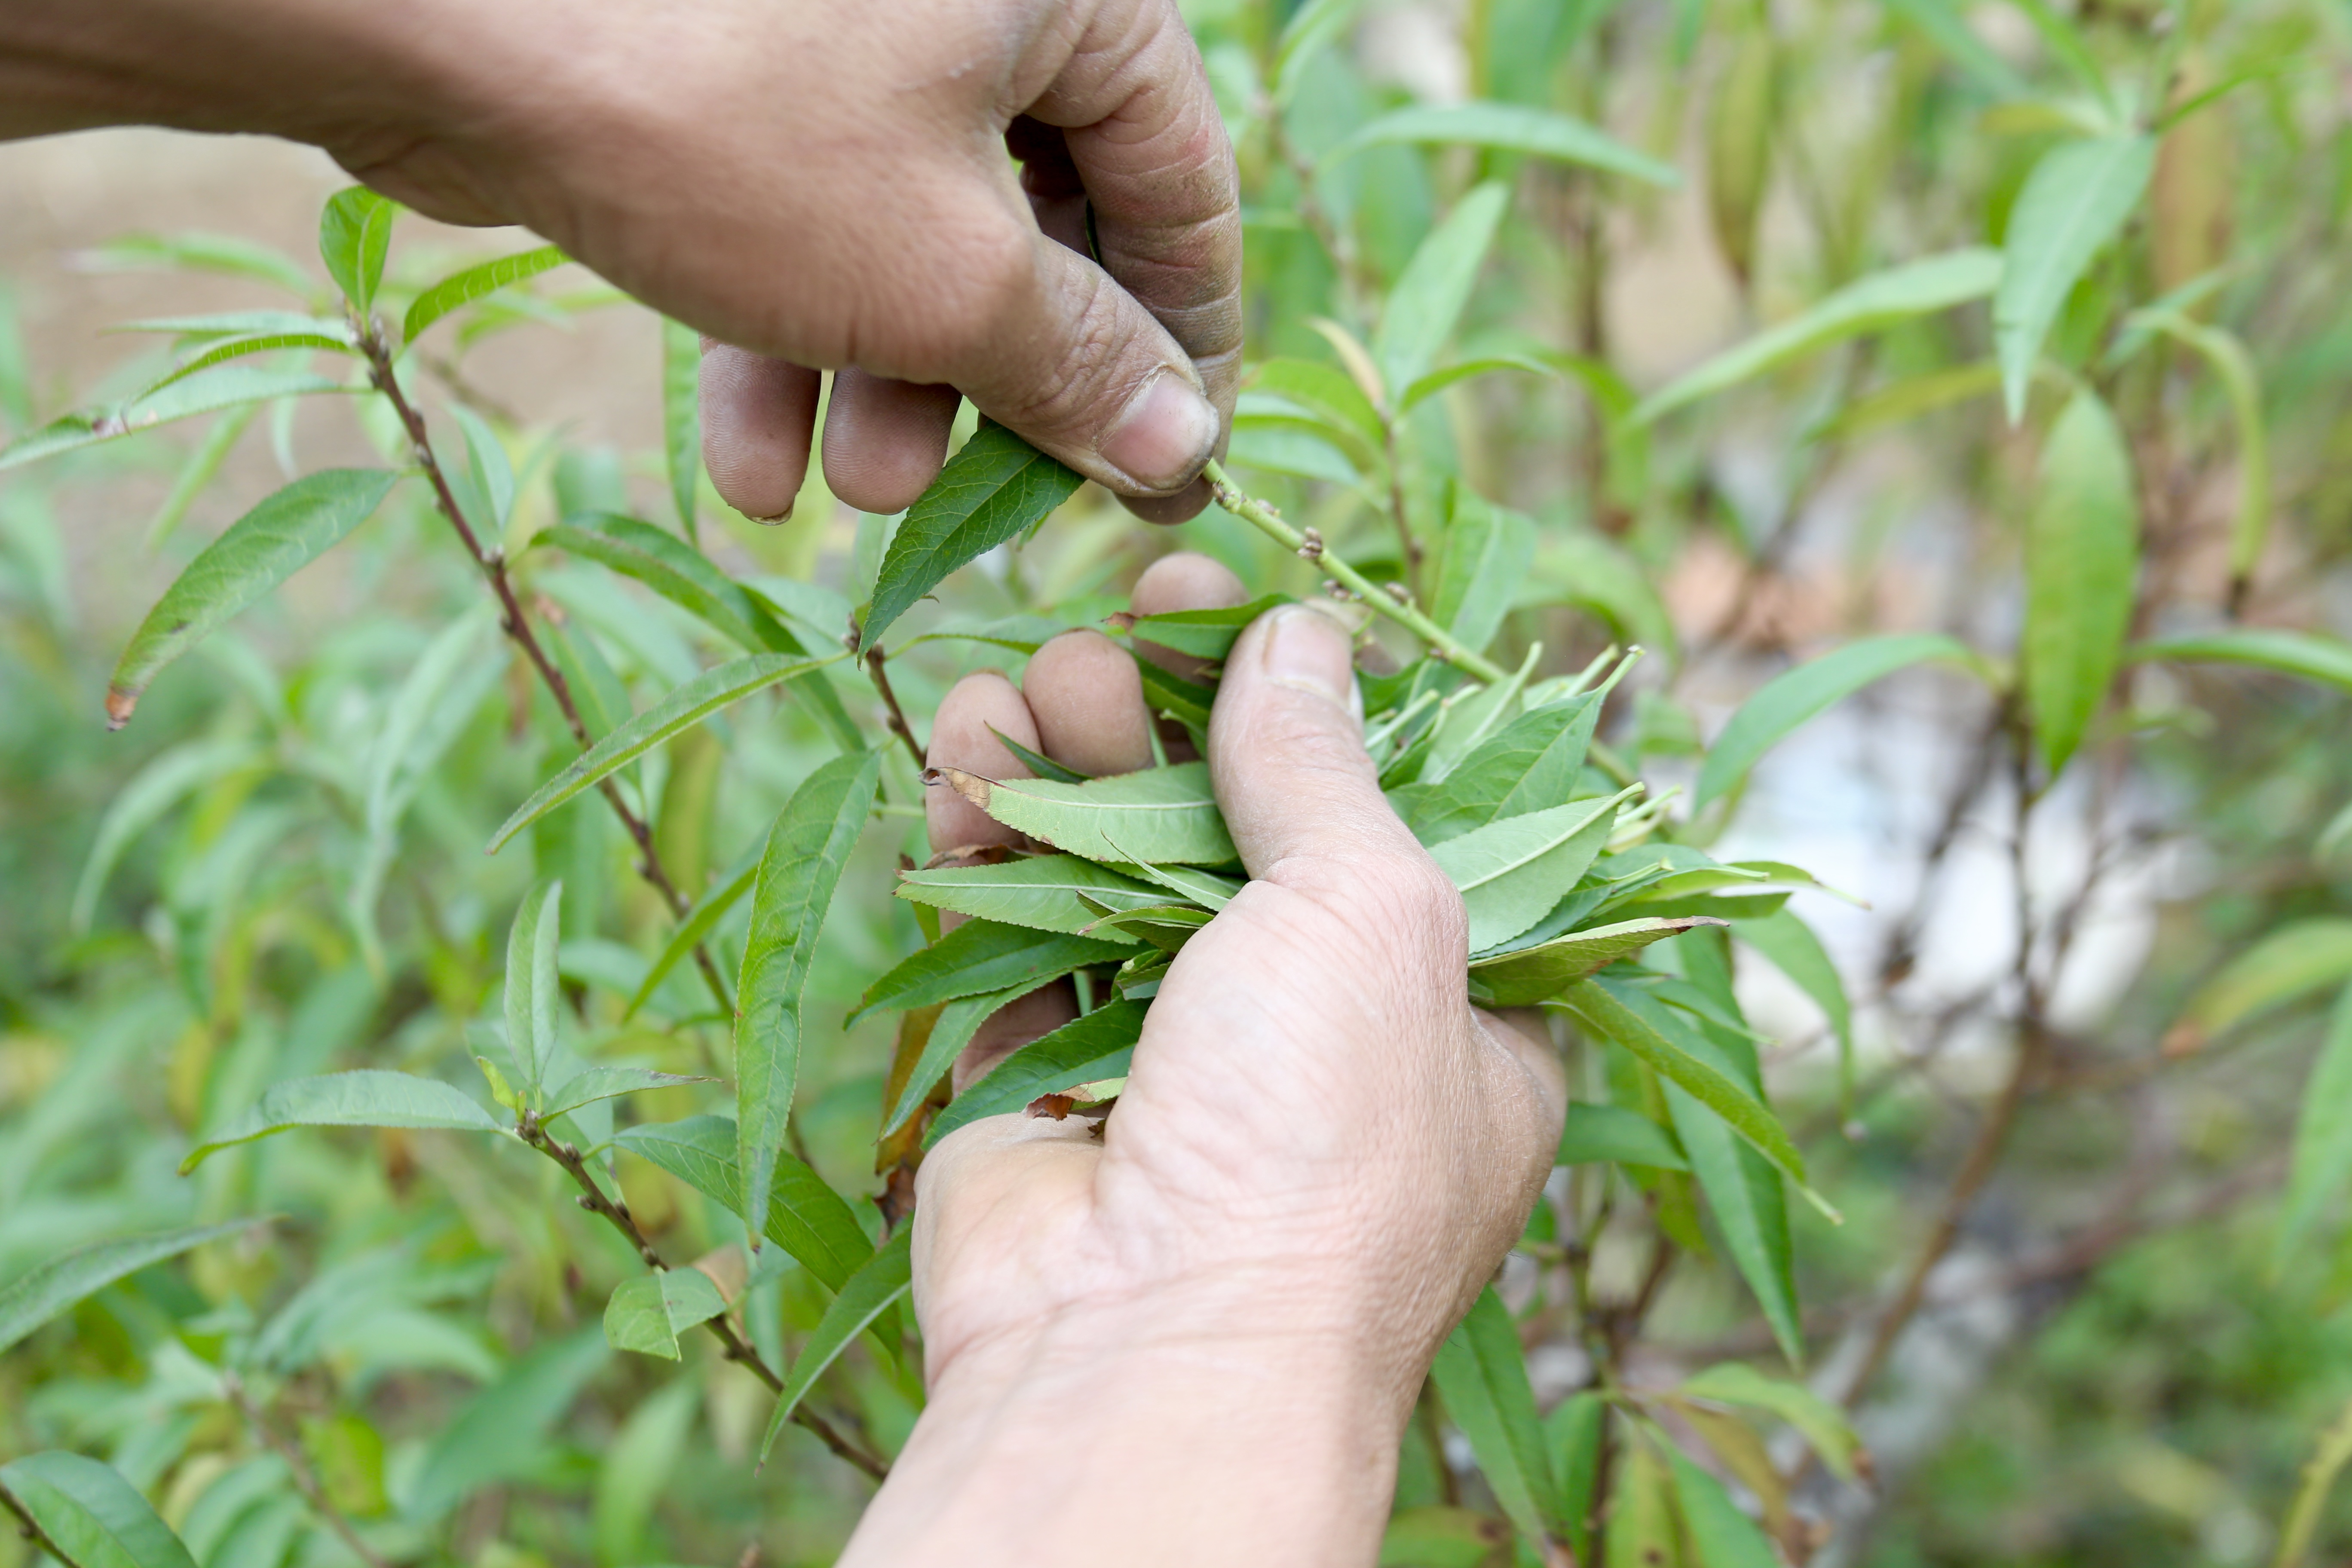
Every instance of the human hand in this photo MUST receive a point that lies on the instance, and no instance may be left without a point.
(1210, 1324)
(827, 186)
(821, 183)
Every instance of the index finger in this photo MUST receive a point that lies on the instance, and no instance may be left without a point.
(1143, 130)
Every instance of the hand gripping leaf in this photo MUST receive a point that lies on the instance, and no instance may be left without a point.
(811, 838)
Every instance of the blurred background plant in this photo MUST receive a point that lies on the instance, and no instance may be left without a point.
(1945, 398)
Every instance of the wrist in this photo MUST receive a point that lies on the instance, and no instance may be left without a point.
(1208, 1423)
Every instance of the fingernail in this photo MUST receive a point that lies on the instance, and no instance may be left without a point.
(781, 519)
(1166, 433)
(1310, 652)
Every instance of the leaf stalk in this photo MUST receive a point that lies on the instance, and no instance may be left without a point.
(1269, 521)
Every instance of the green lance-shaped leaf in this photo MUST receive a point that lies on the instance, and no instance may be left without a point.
(197, 471)
(996, 487)
(951, 1031)
(1513, 871)
(1531, 763)
(2322, 1140)
(97, 1518)
(2242, 382)
(1791, 698)
(1819, 1423)
(690, 580)
(1643, 1528)
(1488, 550)
(1790, 946)
(1572, 1436)
(982, 956)
(1533, 975)
(807, 849)
(2081, 557)
(648, 1313)
(809, 1220)
(241, 324)
(682, 422)
(354, 235)
(171, 777)
(680, 710)
(1720, 1536)
(2306, 655)
(865, 1295)
(1330, 396)
(1047, 892)
(1601, 1012)
(1202, 634)
(222, 387)
(462, 289)
(1593, 1134)
(2074, 202)
(258, 552)
(698, 924)
(1898, 294)
(1908, 397)
(593, 1084)
(1508, 128)
(677, 572)
(499, 1433)
(1741, 1187)
(1038, 764)
(55, 1286)
(367, 1098)
(1192, 884)
(260, 343)
(1482, 1375)
(1087, 1050)
(1161, 815)
(2287, 964)
(1436, 286)
(531, 994)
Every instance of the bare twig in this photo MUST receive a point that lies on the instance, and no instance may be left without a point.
(876, 660)
(592, 1199)
(298, 1465)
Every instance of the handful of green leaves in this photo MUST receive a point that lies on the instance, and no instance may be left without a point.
(1559, 860)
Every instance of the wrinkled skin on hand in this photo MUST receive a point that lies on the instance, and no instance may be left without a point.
(1322, 1147)
(828, 186)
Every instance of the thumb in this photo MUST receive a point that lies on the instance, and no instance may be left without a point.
(1075, 365)
(1286, 754)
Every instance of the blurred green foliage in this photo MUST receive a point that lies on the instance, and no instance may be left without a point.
(1970, 373)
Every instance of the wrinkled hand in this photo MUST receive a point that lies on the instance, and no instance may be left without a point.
(827, 186)
(824, 183)
(1321, 1154)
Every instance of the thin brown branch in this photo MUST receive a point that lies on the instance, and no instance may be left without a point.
(592, 1199)
(876, 662)
(298, 1465)
(516, 623)
(1992, 1136)
(30, 1529)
